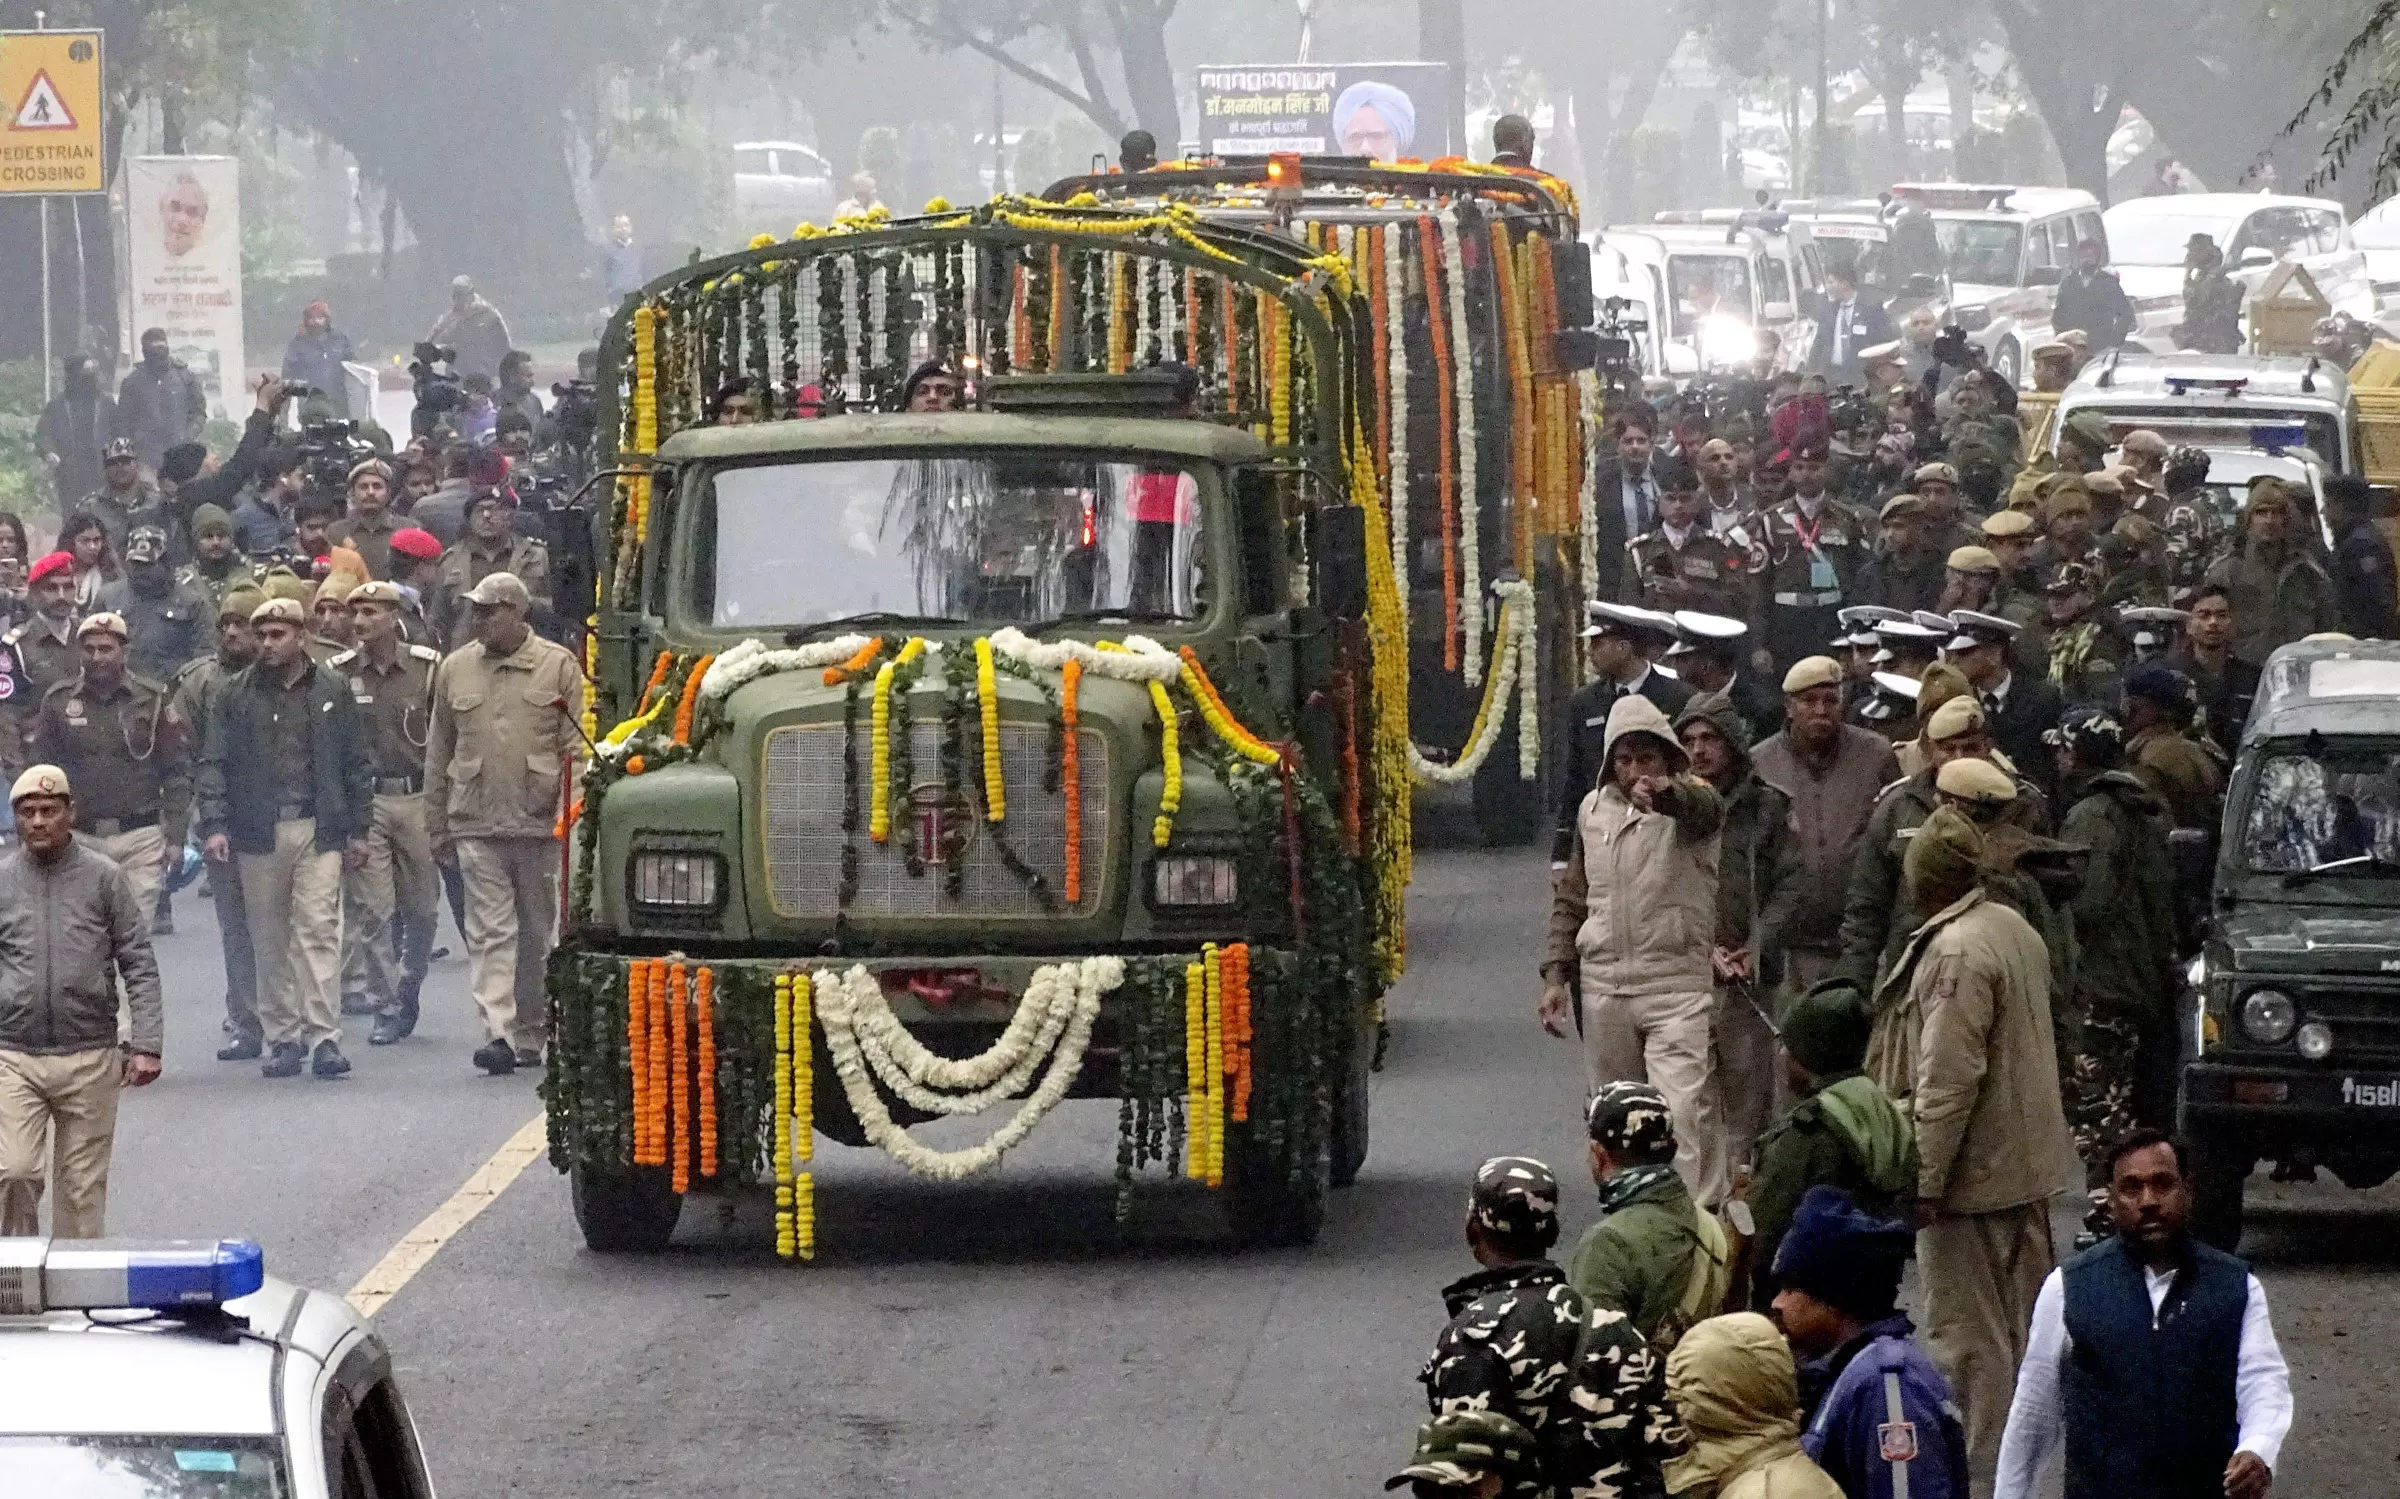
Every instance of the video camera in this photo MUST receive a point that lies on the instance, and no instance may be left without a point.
(575, 424)
(1952, 347)
(327, 452)
(437, 385)
(1620, 326)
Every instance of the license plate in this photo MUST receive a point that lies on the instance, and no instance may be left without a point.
(2371, 1092)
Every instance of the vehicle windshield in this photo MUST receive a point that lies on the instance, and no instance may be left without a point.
(138, 1467)
(1019, 539)
(1982, 252)
(2308, 810)
(2226, 429)
(2159, 239)
(1706, 286)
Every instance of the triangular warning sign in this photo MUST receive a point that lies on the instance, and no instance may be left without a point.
(42, 108)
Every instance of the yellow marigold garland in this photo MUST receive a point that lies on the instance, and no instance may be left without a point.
(1070, 771)
(1195, 1070)
(1213, 994)
(783, 1115)
(804, 1114)
(1170, 750)
(1219, 718)
(879, 758)
(987, 693)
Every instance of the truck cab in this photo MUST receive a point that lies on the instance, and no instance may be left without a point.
(2292, 1019)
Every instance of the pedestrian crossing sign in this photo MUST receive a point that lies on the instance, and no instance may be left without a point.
(51, 89)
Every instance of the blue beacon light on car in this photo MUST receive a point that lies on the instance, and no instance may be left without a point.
(39, 1275)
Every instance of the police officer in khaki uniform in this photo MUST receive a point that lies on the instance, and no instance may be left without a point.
(369, 527)
(499, 768)
(489, 546)
(41, 651)
(329, 629)
(392, 683)
(127, 751)
(196, 689)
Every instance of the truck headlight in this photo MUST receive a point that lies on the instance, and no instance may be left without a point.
(2268, 1016)
(1194, 880)
(679, 881)
(2315, 1041)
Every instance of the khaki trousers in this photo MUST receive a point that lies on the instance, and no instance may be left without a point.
(58, 1115)
(1663, 1040)
(233, 936)
(139, 853)
(398, 878)
(293, 897)
(512, 919)
(1749, 1073)
(1982, 1272)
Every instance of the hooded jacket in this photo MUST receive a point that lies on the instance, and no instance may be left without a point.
(2125, 913)
(1847, 1134)
(1758, 858)
(1635, 908)
(1732, 1381)
(2275, 600)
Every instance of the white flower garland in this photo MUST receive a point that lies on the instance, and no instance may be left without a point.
(941, 1085)
(1141, 660)
(742, 664)
(1071, 989)
(1462, 363)
(1586, 406)
(1396, 322)
(1529, 691)
(1513, 662)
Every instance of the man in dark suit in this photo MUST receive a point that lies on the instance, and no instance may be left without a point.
(2092, 299)
(2018, 710)
(1846, 324)
(1622, 641)
(1625, 491)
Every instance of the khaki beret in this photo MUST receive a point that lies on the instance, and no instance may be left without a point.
(1973, 560)
(1812, 671)
(2006, 524)
(1936, 473)
(336, 589)
(1902, 504)
(285, 609)
(1953, 718)
(106, 622)
(240, 603)
(1976, 780)
(377, 592)
(39, 780)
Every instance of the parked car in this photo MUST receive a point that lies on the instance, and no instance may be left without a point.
(2007, 249)
(1716, 282)
(2377, 235)
(777, 184)
(2147, 236)
(2223, 401)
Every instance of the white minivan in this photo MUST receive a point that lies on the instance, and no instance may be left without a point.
(2146, 239)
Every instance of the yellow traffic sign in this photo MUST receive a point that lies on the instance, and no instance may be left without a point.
(50, 101)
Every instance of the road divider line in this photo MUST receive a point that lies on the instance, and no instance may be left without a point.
(419, 1245)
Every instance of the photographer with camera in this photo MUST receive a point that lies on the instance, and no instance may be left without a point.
(184, 488)
(262, 522)
(437, 388)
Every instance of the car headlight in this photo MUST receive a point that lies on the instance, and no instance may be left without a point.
(1194, 880)
(1973, 319)
(2268, 1016)
(2315, 1040)
(1726, 340)
(678, 880)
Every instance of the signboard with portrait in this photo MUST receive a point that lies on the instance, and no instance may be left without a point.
(1383, 110)
(183, 218)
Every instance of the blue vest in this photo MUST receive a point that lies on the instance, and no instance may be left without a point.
(2150, 1407)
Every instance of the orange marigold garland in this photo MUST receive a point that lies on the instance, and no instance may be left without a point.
(637, 1046)
(1071, 776)
(658, 674)
(680, 1059)
(1437, 323)
(704, 1021)
(691, 697)
(835, 676)
(1058, 305)
(657, 1056)
(1235, 961)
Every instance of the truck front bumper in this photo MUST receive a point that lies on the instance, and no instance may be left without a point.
(2297, 1103)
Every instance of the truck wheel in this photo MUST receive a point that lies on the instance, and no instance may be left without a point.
(1350, 1109)
(624, 1212)
(1508, 808)
(1268, 1210)
(2220, 1166)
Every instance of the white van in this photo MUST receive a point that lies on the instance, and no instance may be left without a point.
(2007, 249)
(1716, 283)
(2146, 239)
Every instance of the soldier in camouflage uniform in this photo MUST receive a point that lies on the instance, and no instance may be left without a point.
(1684, 564)
(2086, 655)
(2125, 946)
(1523, 1344)
(2193, 533)
(1656, 1255)
(1462, 1452)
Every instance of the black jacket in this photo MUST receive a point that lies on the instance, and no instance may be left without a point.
(2033, 708)
(237, 794)
(2097, 304)
(1584, 731)
(1868, 325)
(220, 488)
(2362, 583)
(1608, 515)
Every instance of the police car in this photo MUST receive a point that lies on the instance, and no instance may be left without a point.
(179, 1371)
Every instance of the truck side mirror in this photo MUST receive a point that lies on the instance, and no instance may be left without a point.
(1337, 559)
(1571, 277)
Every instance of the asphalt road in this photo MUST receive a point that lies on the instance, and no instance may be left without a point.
(996, 1336)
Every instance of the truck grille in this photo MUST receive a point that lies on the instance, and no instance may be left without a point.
(803, 822)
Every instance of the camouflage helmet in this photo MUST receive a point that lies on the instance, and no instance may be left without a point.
(1632, 1119)
(1459, 1449)
(2094, 734)
(1516, 1196)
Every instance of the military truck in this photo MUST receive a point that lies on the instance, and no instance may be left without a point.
(1479, 300)
(973, 759)
(2293, 1027)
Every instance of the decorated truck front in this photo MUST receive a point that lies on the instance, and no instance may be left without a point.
(1478, 297)
(969, 761)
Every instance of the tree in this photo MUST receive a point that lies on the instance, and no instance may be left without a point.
(1017, 35)
(1609, 56)
(2364, 79)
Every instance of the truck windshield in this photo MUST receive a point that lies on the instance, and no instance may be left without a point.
(2309, 810)
(998, 538)
(1981, 252)
(139, 1467)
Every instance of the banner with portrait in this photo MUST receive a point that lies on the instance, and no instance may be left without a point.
(183, 223)
(1386, 111)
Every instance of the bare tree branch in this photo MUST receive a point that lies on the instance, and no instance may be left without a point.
(1093, 103)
